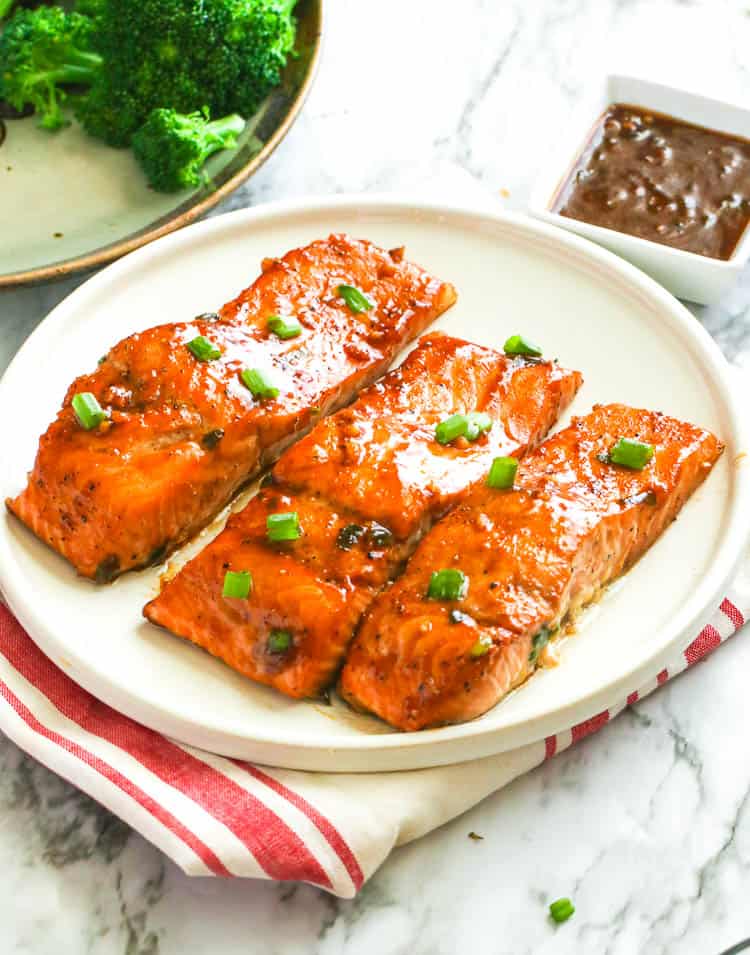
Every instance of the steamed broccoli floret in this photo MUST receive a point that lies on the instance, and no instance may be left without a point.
(172, 147)
(5, 7)
(91, 8)
(257, 38)
(182, 55)
(41, 51)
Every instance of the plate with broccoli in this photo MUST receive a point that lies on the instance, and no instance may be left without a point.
(122, 120)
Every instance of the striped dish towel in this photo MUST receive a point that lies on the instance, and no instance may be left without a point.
(218, 816)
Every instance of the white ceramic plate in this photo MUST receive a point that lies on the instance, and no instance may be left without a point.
(630, 338)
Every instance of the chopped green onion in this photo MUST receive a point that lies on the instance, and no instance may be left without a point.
(538, 642)
(561, 910)
(630, 453)
(203, 349)
(259, 383)
(451, 428)
(502, 472)
(468, 426)
(279, 641)
(237, 583)
(87, 410)
(518, 345)
(448, 584)
(356, 300)
(482, 646)
(349, 536)
(477, 422)
(283, 527)
(284, 328)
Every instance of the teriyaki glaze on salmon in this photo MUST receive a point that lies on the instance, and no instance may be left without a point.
(279, 593)
(149, 447)
(487, 587)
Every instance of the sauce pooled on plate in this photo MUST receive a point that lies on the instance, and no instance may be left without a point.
(663, 179)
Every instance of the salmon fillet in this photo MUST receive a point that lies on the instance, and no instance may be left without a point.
(184, 434)
(532, 555)
(364, 484)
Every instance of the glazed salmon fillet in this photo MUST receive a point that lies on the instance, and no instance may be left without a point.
(363, 486)
(531, 556)
(183, 431)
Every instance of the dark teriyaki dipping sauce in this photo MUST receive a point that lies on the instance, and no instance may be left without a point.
(662, 179)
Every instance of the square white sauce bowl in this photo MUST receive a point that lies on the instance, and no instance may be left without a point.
(688, 275)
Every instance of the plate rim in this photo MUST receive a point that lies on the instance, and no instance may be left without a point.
(415, 750)
(107, 254)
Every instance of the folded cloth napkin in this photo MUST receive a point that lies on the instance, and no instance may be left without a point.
(218, 816)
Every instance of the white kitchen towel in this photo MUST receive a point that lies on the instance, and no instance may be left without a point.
(218, 816)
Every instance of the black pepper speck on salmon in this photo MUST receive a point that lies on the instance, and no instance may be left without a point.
(183, 434)
(530, 555)
(365, 484)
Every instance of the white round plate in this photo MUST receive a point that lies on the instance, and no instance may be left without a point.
(633, 342)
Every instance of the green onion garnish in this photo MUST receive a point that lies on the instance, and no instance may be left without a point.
(561, 910)
(518, 345)
(482, 646)
(356, 300)
(451, 428)
(630, 453)
(203, 349)
(502, 472)
(259, 383)
(477, 422)
(284, 328)
(449, 584)
(87, 410)
(538, 642)
(279, 641)
(468, 426)
(283, 527)
(237, 583)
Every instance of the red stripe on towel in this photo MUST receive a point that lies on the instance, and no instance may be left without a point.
(707, 640)
(590, 726)
(123, 783)
(278, 849)
(734, 613)
(331, 834)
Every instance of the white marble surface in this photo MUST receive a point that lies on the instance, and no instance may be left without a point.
(647, 825)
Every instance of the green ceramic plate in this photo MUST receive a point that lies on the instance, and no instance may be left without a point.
(69, 203)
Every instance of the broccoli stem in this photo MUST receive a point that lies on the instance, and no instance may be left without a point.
(221, 134)
(70, 73)
(80, 67)
(226, 128)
